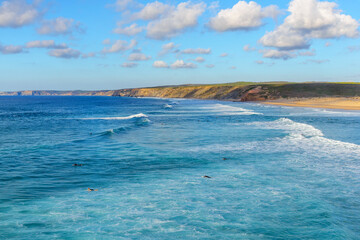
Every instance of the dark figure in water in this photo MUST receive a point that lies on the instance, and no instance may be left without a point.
(224, 159)
(91, 190)
(206, 176)
(77, 165)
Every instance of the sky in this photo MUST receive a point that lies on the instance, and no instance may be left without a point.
(114, 44)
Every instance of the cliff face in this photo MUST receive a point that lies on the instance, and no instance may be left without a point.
(58, 93)
(232, 92)
(255, 92)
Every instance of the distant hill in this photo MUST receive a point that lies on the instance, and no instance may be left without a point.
(239, 91)
(244, 91)
(58, 93)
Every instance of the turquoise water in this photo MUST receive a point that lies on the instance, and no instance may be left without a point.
(288, 173)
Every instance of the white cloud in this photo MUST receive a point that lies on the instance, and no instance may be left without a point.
(88, 55)
(10, 49)
(152, 11)
(17, 13)
(174, 21)
(248, 48)
(224, 55)
(59, 26)
(106, 41)
(121, 5)
(119, 46)
(316, 61)
(214, 5)
(277, 54)
(307, 53)
(65, 53)
(354, 48)
(168, 46)
(284, 37)
(176, 65)
(310, 19)
(160, 64)
(260, 62)
(45, 44)
(233, 67)
(131, 30)
(242, 16)
(197, 51)
(138, 57)
(328, 44)
(129, 65)
(181, 64)
(200, 59)
(210, 65)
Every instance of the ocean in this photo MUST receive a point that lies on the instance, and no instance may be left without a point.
(275, 172)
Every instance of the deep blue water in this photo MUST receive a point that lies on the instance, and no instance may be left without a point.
(288, 173)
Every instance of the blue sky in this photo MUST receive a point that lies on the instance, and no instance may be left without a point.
(113, 44)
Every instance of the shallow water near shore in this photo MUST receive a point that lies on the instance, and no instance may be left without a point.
(276, 172)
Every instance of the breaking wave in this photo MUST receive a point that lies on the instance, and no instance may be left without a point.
(222, 109)
(302, 138)
(290, 127)
(139, 115)
(167, 106)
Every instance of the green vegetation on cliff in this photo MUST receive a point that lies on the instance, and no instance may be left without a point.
(244, 91)
(239, 91)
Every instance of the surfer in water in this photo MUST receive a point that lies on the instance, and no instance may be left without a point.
(92, 190)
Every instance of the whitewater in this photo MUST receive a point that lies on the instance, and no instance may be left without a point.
(276, 172)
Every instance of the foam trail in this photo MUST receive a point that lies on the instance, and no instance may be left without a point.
(302, 138)
(139, 115)
(230, 110)
(167, 106)
(290, 127)
(327, 112)
(113, 131)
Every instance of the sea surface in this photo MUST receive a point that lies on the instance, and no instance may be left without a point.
(276, 172)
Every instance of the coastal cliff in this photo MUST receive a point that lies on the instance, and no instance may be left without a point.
(58, 93)
(247, 92)
(240, 91)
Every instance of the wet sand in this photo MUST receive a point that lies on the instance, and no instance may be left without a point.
(329, 103)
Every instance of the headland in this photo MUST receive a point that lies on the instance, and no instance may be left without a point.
(312, 94)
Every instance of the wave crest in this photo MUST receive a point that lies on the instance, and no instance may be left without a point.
(139, 115)
(290, 127)
(302, 138)
(222, 109)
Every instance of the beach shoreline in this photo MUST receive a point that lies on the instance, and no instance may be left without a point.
(352, 103)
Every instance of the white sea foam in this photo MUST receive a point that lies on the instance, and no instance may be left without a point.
(167, 106)
(222, 109)
(328, 113)
(290, 127)
(302, 138)
(139, 115)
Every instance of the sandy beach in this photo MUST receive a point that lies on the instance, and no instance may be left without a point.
(330, 103)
